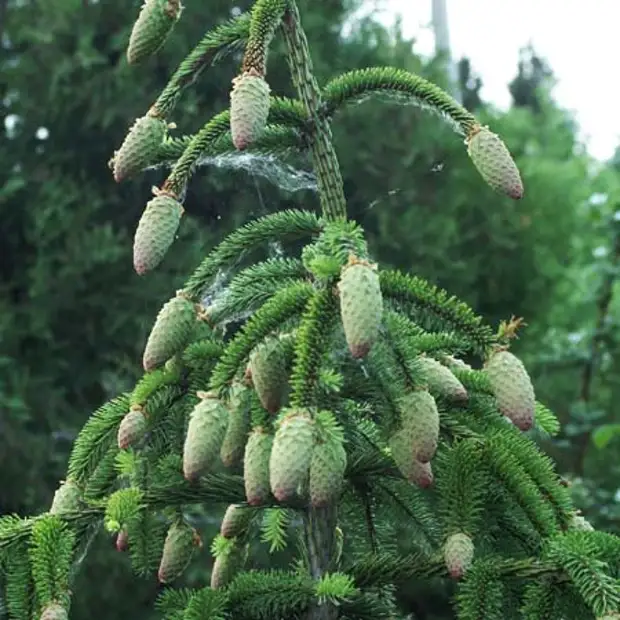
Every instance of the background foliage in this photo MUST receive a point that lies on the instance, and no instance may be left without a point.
(73, 314)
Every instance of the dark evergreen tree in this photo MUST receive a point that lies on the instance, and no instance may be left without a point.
(319, 396)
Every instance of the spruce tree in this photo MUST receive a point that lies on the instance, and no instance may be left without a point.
(337, 407)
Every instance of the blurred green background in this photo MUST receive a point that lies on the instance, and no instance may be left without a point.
(74, 316)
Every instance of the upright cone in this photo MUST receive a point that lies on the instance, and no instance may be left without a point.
(152, 28)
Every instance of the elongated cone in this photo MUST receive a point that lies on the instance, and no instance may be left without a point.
(455, 363)
(420, 419)
(233, 445)
(155, 233)
(494, 162)
(205, 433)
(414, 472)
(441, 382)
(140, 147)
(66, 499)
(226, 566)
(512, 388)
(291, 454)
(249, 108)
(327, 467)
(179, 546)
(132, 428)
(458, 553)
(54, 611)
(152, 28)
(361, 306)
(256, 466)
(235, 521)
(173, 328)
(268, 370)
(122, 541)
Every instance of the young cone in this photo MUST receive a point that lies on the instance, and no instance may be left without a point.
(512, 388)
(291, 454)
(455, 363)
(66, 498)
(205, 433)
(236, 435)
(54, 611)
(413, 471)
(256, 466)
(132, 428)
(249, 108)
(155, 233)
(173, 328)
(420, 419)
(139, 148)
(494, 162)
(361, 305)
(226, 566)
(268, 370)
(235, 521)
(458, 553)
(122, 541)
(152, 28)
(179, 546)
(441, 382)
(327, 467)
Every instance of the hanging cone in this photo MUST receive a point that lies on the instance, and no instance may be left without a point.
(122, 541)
(458, 553)
(361, 306)
(291, 454)
(256, 466)
(227, 565)
(512, 388)
(268, 371)
(236, 521)
(156, 231)
(132, 428)
(412, 470)
(327, 467)
(420, 419)
(238, 429)
(152, 28)
(179, 546)
(249, 108)
(140, 147)
(441, 382)
(494, 162)
(173, 328)
(205, 433)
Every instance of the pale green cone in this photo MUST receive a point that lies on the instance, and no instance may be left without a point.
(132, 429)
(54, 611)
(140, 147)
(327, 467)
(579, 523)
(420, 474)
(238, 429)
(66, 498)
(291, 455)
(155, 233)
(494, 163)
(236, 521)
(361, 306)
(420, 419)
(268, 372)
(512, 388)
(249, 108)
(179, 547)
(172, 329)
(256, 466)
(458, 553)
(205, 433)
(440, 380)
(154, 23)
(227, 565)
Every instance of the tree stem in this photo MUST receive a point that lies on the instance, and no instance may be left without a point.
(324, 158)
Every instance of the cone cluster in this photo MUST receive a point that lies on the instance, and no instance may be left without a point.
(361, 305)
(249, 108)
(156, 231)
(154, 23)
(512, 388)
